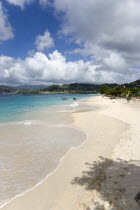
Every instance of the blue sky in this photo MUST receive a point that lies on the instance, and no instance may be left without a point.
(45, 42)
(27, 24)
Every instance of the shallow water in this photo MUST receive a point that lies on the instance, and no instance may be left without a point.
(29, 152)
(19, 107)
(31, 148)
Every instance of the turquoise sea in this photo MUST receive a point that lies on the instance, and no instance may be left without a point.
(17, 107)
(36, 131)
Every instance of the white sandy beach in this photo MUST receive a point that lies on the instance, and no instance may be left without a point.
(108, 183)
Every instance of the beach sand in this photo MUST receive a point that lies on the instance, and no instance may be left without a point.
(100, 174)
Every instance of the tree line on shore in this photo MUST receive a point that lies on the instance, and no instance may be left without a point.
(114, 89)
(120, 91)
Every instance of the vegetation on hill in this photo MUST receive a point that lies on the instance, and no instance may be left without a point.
(30, 87)
(78, 88)
(121, 91)
(74, 88)
(7, 89)
(135, 84)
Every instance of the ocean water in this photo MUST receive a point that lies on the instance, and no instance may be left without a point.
(17, 107)
(35, 133)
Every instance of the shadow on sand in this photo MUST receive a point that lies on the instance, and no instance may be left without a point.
(116, 182)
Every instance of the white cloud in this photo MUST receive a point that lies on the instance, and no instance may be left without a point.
(20, 3)
(6, 31)
(44, 41)
(106, 30)
(44, 3)
(42, 69)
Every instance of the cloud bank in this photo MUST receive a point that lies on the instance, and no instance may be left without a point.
(108, 31)
(42, 69)
(105, 31)
(6, 31)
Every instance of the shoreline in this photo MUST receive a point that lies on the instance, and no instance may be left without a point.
(48, 175)
(67, 196)
(69, 125)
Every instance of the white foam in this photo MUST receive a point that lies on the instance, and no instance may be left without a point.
(27, 122)
(65, 111)
(59, 125)
(74, 104)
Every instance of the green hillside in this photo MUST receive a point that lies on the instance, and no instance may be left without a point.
(76, 88)
(135, 84)
(7, 89)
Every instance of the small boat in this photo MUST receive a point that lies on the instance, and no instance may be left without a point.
(64, 98)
